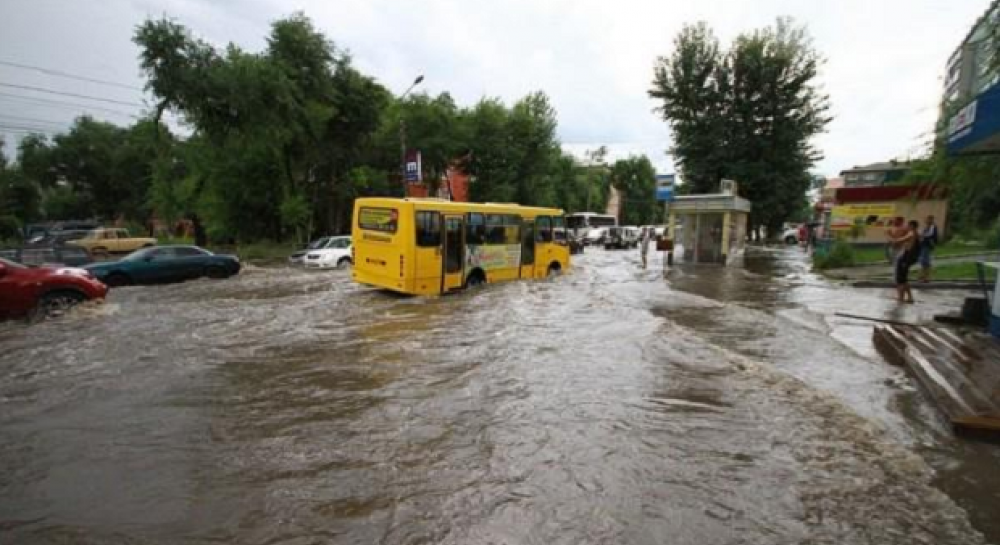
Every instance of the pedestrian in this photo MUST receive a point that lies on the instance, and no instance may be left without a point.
(644, 244)
(906, 244)
(803, 235)
(895, 229)
(928, 240)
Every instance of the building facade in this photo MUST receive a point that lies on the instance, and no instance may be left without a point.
(971, 97)
(875, 174)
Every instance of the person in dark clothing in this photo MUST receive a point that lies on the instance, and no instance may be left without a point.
(907, 246)
(928, 240)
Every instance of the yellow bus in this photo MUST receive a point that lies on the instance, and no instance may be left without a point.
(434, 246)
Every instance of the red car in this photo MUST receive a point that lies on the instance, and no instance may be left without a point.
(46, 290)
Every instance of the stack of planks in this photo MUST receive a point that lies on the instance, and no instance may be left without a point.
(961, 373)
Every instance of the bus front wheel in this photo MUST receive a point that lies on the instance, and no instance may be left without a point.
(476, 278)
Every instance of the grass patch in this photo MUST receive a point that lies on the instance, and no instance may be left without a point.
(840, 255)
(959, 271)
(263, 252)
(876, 254)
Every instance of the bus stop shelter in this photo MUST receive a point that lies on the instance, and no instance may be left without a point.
(710, 228)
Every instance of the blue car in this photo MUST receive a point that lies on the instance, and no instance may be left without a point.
(161, 264)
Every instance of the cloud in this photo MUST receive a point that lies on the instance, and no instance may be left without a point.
(593, 58)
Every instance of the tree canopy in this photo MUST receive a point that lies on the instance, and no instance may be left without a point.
(748, 113)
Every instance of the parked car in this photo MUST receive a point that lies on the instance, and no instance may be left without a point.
(575, 244)
(595, 236)
(791, 235)
(336, 253)
(56, 238)
(45, 291)
(621, 238)
(112, 241)
(70, 256)
(34, 230)
(299, 256)
(165, 264)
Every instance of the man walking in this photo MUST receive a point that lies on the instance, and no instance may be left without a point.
(644, 244)
(928, 240)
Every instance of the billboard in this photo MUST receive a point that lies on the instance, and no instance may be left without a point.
(875, 215)
(665, 187)
(413, 167)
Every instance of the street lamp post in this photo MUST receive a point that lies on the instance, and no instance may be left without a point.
(402, 132)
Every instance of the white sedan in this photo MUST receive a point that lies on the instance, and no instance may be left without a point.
(336, 254)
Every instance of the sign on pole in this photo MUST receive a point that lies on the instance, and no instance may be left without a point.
(665, 187)
(413, 167)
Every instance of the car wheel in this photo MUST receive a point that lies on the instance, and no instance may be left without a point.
(554, 270)
(99, 253)
(55, 304)
(117, 280)
(791, 240)
(344, 263)
(216, 272)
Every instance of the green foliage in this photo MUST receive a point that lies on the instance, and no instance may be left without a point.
(973, 191)
(746, 114)
(840, 255)
(635, 180)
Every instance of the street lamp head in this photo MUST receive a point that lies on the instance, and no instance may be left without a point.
(419, 79)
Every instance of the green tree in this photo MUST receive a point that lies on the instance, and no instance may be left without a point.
(635, 180)
(748, 114)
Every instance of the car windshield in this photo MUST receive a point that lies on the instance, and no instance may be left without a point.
(138, 255)
(318, 243)
(12, 264)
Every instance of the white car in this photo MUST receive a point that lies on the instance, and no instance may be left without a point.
(595, 236)
(791, 235)
(335, 254)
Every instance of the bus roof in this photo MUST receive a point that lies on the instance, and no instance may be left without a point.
(443, 204)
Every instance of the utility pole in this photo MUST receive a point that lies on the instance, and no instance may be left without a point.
(402, 133)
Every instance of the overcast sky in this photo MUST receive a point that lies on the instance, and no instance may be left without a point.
(885, 58)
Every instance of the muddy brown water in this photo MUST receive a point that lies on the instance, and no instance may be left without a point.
(718, 406)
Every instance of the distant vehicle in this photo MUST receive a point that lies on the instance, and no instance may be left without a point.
(575, 244)
(70, 256)
(56, 238)
(112, 241)
(164, 264)
(581, 223)
(433, 246)
(595, 236)
(621, 238)
(299, 256)
(45, 291)
(791, 235)
(336, 253)
(35, 230)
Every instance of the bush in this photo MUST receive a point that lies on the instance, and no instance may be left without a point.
(840, 255)
(10, 228)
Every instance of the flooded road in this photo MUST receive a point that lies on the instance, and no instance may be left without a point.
(718, 406)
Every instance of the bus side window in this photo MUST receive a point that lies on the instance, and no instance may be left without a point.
(511, 229)
(494, 229)
(475, 229)
(428, 229)
(543, 229)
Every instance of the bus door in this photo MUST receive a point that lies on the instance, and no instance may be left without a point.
(527, 249)
(429, 259)
(544, 243)
(454, 253)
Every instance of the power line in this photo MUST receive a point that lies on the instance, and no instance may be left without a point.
(17, 118)
(61, 74)
(25, 128)
(65, 104)
(74, 95)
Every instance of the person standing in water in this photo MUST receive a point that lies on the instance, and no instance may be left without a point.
(644, 244)
(928, 240)
(907, 246)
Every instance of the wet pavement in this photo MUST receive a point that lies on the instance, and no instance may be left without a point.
(611, 405)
